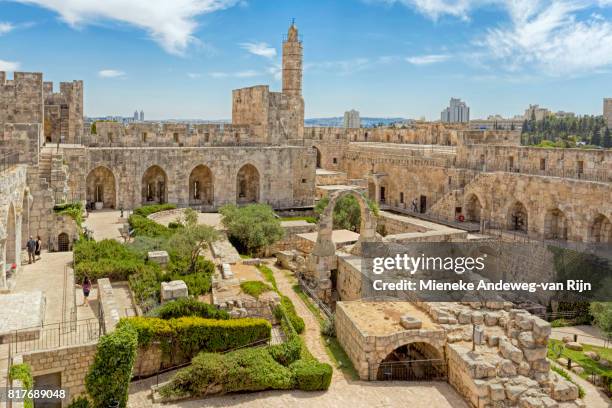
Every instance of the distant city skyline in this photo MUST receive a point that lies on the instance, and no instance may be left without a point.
(182, 63)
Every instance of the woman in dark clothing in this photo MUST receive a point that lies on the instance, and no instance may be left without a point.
(86, 290)
(38, 247)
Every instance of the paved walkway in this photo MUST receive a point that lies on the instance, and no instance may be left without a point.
(593, 397)
(343, 392)
(586, 335)
(105, 224)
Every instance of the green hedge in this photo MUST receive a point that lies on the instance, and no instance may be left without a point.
(311, 375)
(23, 373)
(80, 402)
(106, 259)
(190, 335)
(147, 210)
(189, 307)
(109, 376)
(142, 226)
(287, 305)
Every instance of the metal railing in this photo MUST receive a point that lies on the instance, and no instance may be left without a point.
(319, 303)
(8, 160)
(412, 370)
(55, 335)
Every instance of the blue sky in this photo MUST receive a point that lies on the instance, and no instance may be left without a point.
(182, 58)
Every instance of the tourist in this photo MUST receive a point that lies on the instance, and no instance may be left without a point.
(86, 290)
(38, 247)
(31, 246)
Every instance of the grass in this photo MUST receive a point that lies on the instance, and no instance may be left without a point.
(332, 345)
(268, 275)
(578, 357)
(255, 288)
(311, 220)
(245, 256)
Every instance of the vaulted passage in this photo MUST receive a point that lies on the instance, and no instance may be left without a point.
(247, 185)
(154, 186)
(555, 225)
(101, 187)
(201, 186)
(601, 230)
(473, 209)
(518, 218)
(413, 362)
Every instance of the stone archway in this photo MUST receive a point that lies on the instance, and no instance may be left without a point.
(555, 225)
(601, 230)
(473, 208)
(320, 261)
(12, 248)
(518, 218)
(416, 361)
(201, 186)
(154, 186)
(25, 217)
(101, 187)
(247, 185)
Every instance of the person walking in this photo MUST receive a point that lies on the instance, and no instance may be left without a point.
(31, 246)
(38, 247)
(86, 290)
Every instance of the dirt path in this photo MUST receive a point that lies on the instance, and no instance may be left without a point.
(594, 397)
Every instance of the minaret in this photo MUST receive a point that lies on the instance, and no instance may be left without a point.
(292, 63)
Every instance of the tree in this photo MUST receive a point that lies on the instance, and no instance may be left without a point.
(192, 239)
(251, 228)
(602, 313)
(596, 138)
(607, 139)
(347, 212)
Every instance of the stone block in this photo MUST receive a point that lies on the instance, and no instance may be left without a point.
(173, 290)
(573, 345)
(410, 323)
(159, 257)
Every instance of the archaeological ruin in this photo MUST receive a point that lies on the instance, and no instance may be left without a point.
(431, 182)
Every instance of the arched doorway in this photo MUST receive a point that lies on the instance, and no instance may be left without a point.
(518, 217)
(555, 225)
(601, 229)
(201, 186)
(11, 247)
(473, 209)
(154, 186)
(247, 185)
(413, 362)
(318, 157)
(101, 187)
(63, 242)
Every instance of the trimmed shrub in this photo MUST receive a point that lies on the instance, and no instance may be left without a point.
(142, 226)
(23, 373)
(255, 288)
(251, 228)
(268, 275)
(109, 376)
(190, 335)
(242, 370)
(80, 402)
(287, 352)
(287, 306)
(311, 375)
(106, 258)
(189, 307)
(147, 210)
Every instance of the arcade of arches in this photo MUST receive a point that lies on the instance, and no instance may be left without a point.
(101, 187)
(154, 186)
(247, 185)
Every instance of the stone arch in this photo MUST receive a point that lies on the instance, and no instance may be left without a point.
(63, 242)
(12, 249)
(25, 216)
(518, 218)
(601, 229)
(416, 360)
(101, 187)
(201, 186)
(555, 224)
(473, 208)
(318, 152)
(154, 186)
(247, 184)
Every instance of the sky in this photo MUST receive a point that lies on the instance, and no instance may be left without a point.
(386, 58)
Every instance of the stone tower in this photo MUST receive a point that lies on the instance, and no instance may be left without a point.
(292, 63)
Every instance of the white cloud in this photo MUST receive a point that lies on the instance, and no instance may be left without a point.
(260, 48)
(111, 73)
(434, 9)
(9, 66)
(6, 27)
(427, 59)
(239, 74)
(193, 75)
(550, 37)
(170, 23)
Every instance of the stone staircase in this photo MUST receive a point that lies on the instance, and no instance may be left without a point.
(45, 163)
